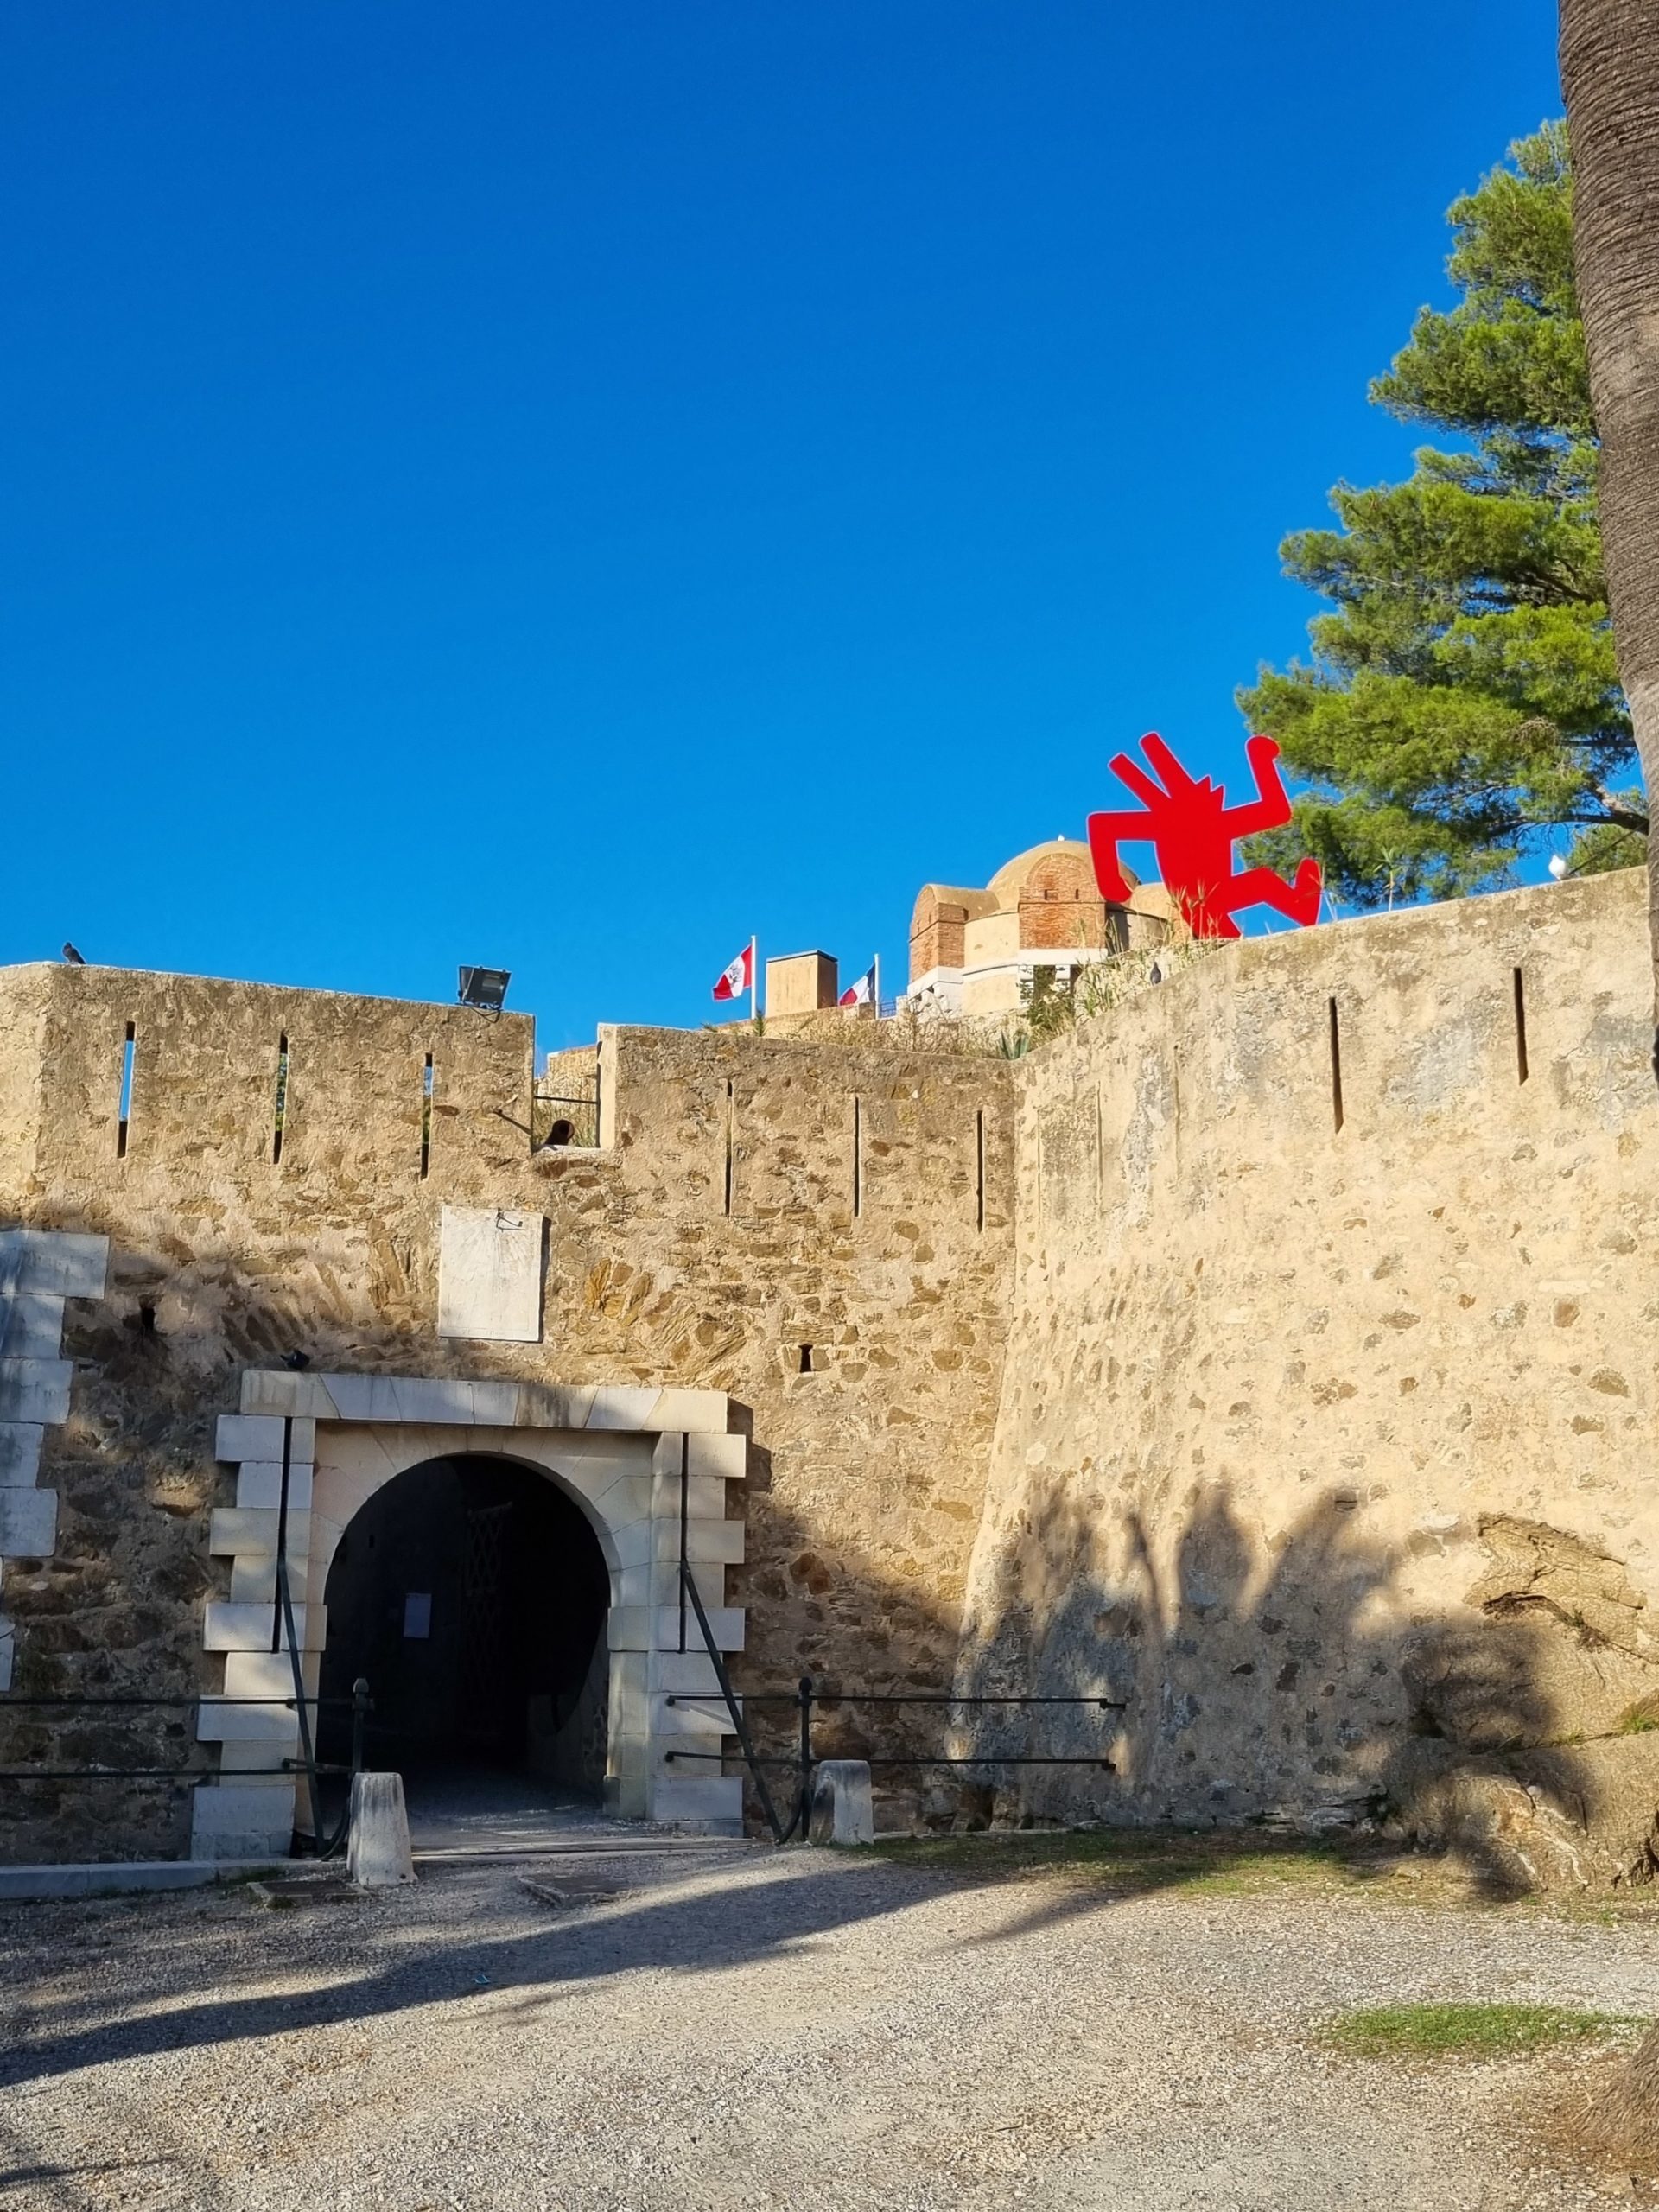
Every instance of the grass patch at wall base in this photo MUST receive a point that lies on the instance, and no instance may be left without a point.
(1241, 1862)
(1469, 2031)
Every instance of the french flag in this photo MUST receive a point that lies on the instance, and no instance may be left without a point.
(862, 993)
(738, 976)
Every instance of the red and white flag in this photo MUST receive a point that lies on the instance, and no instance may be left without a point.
(738, 976)
(862, 993)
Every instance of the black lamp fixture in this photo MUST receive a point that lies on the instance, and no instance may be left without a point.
(485, 988)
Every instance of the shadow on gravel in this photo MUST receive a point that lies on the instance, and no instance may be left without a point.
(676, 1933)
(16, 2176)
(687, 1932)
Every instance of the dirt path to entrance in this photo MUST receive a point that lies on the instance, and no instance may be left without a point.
(738, 2028)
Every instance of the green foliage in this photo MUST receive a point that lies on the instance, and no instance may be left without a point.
(1467, 2030)
(1050, 1008)
(1047, 1005)
(1462, 697)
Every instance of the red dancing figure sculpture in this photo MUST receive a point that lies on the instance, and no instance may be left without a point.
(1195, 830)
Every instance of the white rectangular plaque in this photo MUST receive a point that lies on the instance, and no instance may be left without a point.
(490, 1274)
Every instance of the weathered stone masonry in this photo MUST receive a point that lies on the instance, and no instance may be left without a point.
(1328, 1436)
(750, 1199)
(1277, 1353)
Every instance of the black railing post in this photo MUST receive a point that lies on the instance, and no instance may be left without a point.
(804, 1812)
(308, 1755)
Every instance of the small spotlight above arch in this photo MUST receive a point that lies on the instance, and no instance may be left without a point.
(485, 988)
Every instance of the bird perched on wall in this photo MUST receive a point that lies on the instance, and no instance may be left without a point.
(72, 955)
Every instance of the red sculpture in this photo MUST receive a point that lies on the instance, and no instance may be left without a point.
(1195, 830)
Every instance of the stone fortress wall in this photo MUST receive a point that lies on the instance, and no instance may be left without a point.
(1275, 1353)
(822, 1234)
(1326, 1441)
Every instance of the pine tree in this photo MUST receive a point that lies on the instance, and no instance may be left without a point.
(1462, 702)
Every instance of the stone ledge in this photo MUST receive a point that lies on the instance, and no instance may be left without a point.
(441, 1401)
(99, 1878)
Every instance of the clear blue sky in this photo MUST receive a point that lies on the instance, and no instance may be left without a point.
(568, 486)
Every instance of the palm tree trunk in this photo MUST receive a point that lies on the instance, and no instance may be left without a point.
(1609, 66)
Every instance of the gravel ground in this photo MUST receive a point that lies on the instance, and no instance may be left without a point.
(740, 2029)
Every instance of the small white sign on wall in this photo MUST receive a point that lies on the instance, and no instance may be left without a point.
(490, 1274)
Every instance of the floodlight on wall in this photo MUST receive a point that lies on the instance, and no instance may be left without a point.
(485, 987)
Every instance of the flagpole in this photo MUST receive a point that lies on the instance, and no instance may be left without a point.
(876, 966)
(754, 984)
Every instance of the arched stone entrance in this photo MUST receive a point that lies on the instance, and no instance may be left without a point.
(471, 1593)
(647, 1467)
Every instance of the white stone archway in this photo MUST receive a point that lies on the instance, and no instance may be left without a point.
(649, 1469)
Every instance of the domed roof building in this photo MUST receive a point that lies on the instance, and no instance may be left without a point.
(980, 952)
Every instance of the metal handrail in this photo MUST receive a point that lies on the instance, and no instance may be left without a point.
(688, 1583)
(148, 1773)
(191, 1697)
(359, 1702)
(803, 1696)
(928, 1697)
(920, 1758)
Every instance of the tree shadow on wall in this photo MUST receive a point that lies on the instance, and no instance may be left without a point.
(1277, 1684)
(1260, 1682)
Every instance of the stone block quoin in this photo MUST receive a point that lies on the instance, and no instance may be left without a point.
(39, 1269)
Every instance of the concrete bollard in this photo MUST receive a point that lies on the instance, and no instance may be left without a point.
(377, 1850)
(842, 1811)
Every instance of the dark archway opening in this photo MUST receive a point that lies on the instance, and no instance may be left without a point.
(471, 1595)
